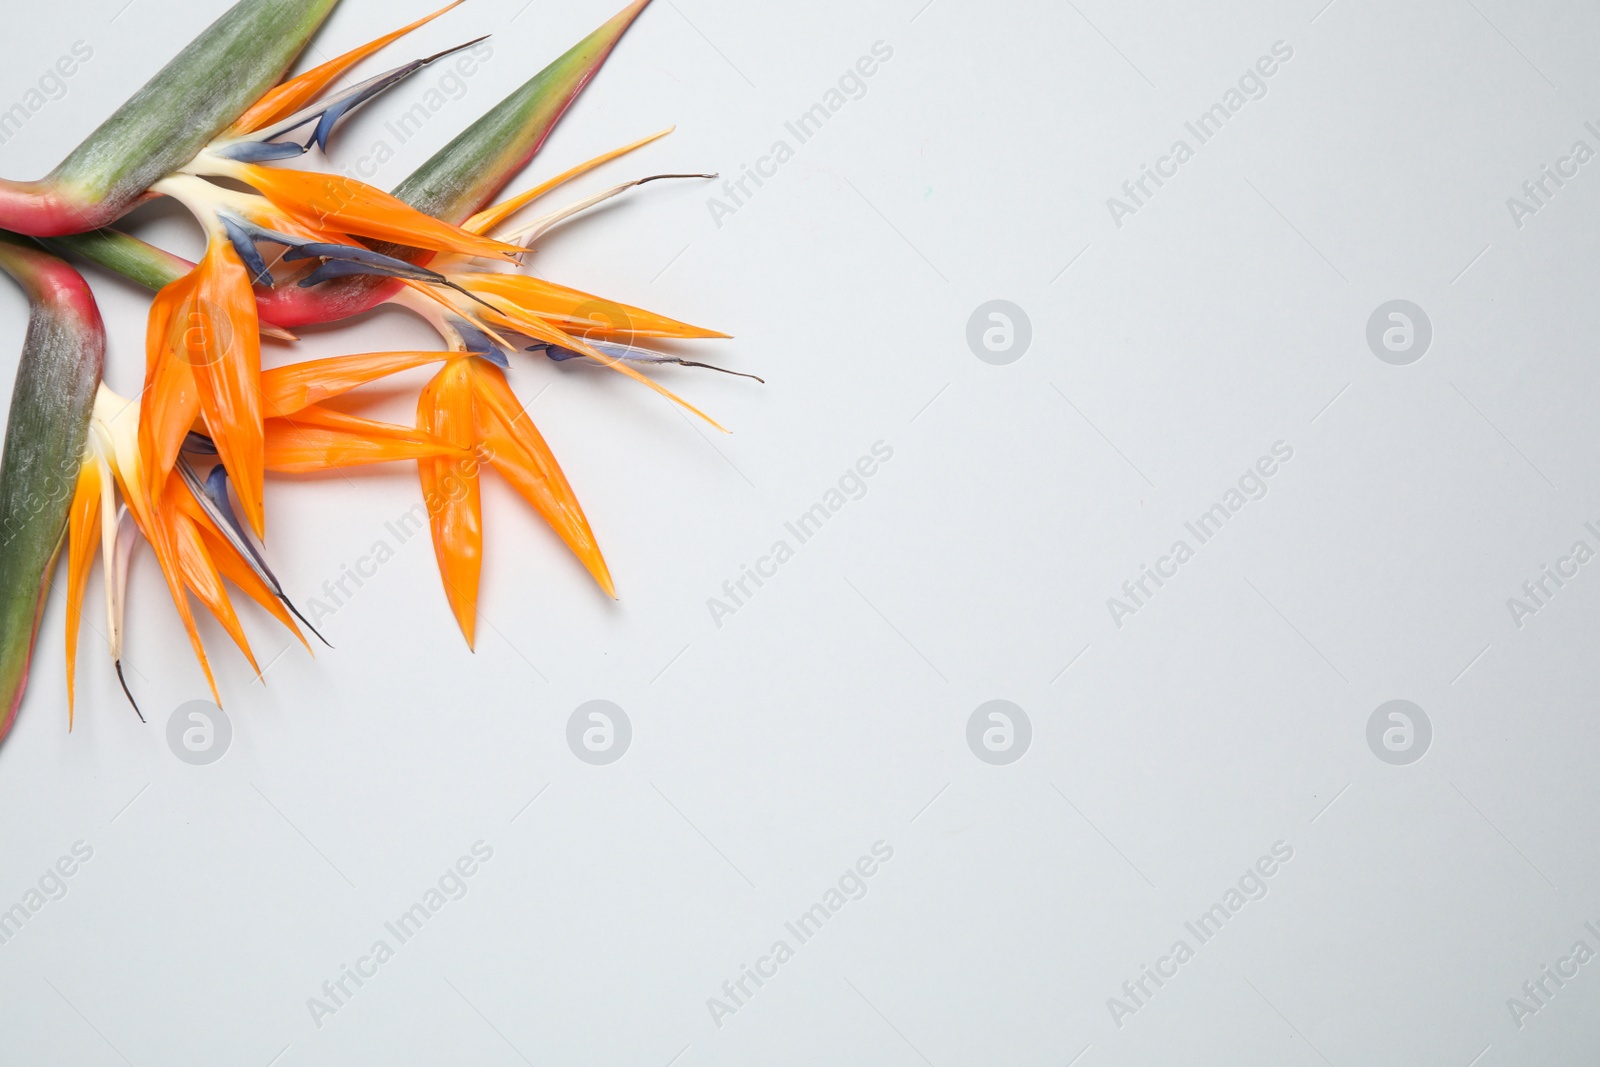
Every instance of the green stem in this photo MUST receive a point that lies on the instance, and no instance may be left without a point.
(134, 259)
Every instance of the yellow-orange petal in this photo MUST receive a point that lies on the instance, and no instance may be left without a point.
(518, 451)
(490, 217)
(233, 566)
(333, 201)
(582, 314)
(512, 318)
(200, 574)
(334, 419)
(216, 332)
(237, 571)
(285, 390)
(299, 445)
(155, 520)
(170, 402)
(450, 491)
(285, 99)
(83, 535)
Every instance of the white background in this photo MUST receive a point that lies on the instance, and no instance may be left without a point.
(830, 712)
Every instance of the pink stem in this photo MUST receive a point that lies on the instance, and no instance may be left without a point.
(41, 209)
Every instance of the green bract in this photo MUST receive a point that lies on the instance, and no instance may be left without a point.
(465, 174)
(192, 99)
(45, 434)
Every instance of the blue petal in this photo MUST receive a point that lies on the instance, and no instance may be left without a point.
(392, 267)
(243, 244)
(333, 109)
(633, 355)
(261, 151)
(199, 444)
(358, 260)
(340, 268)
(353, 98)
(344, 268)
(610, 348)
(480, 343)
(261, 233)
(555, 352)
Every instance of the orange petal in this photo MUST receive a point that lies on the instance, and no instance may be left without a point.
(577, 312)
(332, 201)
(488, 218)
(218, 334)
(83, 534)
(450, 491)
(170, 402)
(519, 453)
(201, 576)
(285, 390)
(157, 530)
(333, 419)
(154, 520)
(329, 439)
(292, 95)
(513, 318)
(234, 568)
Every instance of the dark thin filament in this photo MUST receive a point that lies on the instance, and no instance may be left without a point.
(290, 605)
(126, 693)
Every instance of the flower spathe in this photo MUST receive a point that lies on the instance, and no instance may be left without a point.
(51, 403)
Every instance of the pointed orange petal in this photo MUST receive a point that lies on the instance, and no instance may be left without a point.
(231, 565)
(515, 319)
(83, 535)
(285, 390)
(325, 440)
(518, 451)
(218, 334)
(157, 529)
(333, 419)
(169, 403)
(292, 95)
(201, 576)
(175, 405)
(162, 307)
(332, 201)
(490, 217)
(577, 312)
(234, 568)
(450, 491)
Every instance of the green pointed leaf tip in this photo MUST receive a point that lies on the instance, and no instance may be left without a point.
(465, 174)
(205, 88)
(62, 358)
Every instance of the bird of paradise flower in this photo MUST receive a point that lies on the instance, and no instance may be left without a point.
(206, 398)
